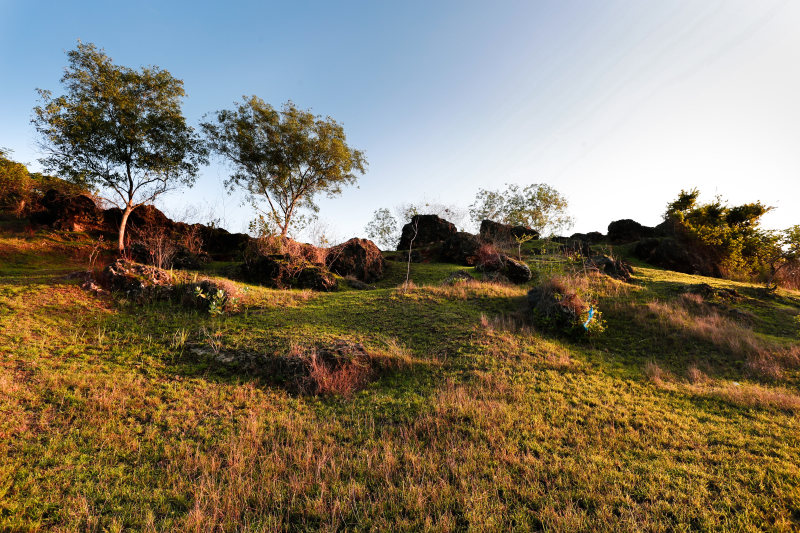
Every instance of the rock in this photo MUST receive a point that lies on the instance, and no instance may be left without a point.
(496, 231)
(517, 271)
(461, 248)
(358, 285)
(183, 259)
(627, 230)
(316, 278)
(283, 272)
(496, 277)
(136, 280)
(593, 237)
(671, 254)
(616, 268)
(708, 292)
(459, 276)
(359, 258)
(71, 213)
(223, 245)
(430, 229)
(572, 247)
(511, 269)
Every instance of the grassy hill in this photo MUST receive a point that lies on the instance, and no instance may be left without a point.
(683, 415)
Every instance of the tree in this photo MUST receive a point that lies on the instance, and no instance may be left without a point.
(118, 129)
(285, 157)
(728, 237)
(383, 229)
(537, 206)
(15, 184)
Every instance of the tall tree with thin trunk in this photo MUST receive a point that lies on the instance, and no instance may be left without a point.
(119, 130)
(283, 159)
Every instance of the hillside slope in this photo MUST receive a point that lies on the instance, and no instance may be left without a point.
(683, 415)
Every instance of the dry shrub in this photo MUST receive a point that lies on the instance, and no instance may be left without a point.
(488, 257)
(748, 395)
(344, 367)
(655, 373)
(192, 239)
(788, 275)
(158, 245)
(696, 376)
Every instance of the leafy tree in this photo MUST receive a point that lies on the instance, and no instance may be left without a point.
(383, 228)
(729, 237)
(537, 206)
(15, 184)
(285, 157)
(118, 129)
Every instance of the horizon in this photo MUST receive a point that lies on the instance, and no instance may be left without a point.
(618, 106)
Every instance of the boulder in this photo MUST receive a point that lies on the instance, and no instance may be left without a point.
(615, 268)
(672, 254)
(593, 237)
(71, 213)
(183, 259)
(430, 229)
(283, 272)
(223, 245)
(459, 276)
(316, 278)
(517, 271)
(510, 269)
(572, 247)
(496, 231)
(359, 258)
(136, 280)
(627, 230)
(461, 248)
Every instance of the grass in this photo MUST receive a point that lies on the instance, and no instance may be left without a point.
(120, 416)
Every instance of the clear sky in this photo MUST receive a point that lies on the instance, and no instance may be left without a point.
(617, 104)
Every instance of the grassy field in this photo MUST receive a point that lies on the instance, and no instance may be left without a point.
(683, 415)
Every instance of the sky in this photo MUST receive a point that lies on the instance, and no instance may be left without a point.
(617, 104)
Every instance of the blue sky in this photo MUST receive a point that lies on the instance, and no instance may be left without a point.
(618, 105)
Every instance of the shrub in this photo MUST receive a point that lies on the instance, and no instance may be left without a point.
(559, 304)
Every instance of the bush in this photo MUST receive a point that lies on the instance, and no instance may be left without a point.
(559, 304)
(729, 238)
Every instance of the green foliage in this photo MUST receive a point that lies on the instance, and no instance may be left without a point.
(118, 129)
(285, 157)
(537, 206)
(730, 237)
(16, 184)
(20, 189)
(791, 243)
(383, 229)
(217, 299)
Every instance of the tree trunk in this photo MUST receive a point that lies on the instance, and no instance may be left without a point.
(122, 224)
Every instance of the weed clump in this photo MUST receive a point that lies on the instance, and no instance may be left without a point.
(560, 304)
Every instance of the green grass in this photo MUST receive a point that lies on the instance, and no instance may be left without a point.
(119, 416)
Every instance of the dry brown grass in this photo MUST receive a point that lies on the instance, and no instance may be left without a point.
(752, 395)
(655, 373)
(462, 291)
(692, 317)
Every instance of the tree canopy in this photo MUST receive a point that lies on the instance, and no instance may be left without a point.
(118, 129)
(284, 158)
(537, 206)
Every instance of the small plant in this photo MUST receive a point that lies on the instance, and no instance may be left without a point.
(216, 299)
(522, 239)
